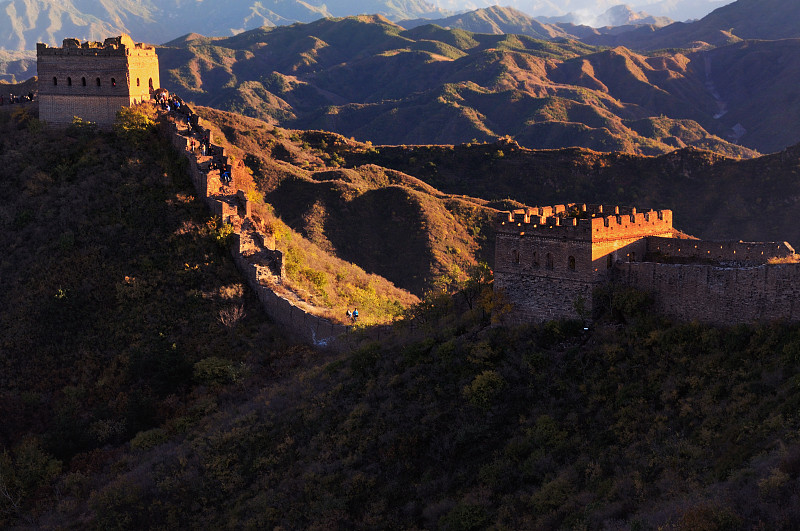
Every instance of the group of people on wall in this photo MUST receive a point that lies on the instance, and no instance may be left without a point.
(14, 98)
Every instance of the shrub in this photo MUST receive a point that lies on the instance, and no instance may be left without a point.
(214, 371)
(464, 517)
(484, 388)
(365, 359)
(144, 440)
(134, 126)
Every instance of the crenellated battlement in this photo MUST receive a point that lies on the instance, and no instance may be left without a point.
(586, 222)
(121, 46)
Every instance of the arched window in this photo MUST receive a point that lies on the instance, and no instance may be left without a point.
(548, 261)
(98, 81)
(113, 82)
(151, 83)
(55, 81)
(137, 81)
(515, 255)
(571, 263)
(69, 81)
(83, 81)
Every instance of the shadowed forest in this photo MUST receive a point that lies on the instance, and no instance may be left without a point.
(142, 387)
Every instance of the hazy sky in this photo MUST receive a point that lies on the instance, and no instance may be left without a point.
(674, 9)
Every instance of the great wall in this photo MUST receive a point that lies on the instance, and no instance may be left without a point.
(253, 251)
(94, 80)
(549, 260)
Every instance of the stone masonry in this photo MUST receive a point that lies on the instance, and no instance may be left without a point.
(94, 80)
(549, 260)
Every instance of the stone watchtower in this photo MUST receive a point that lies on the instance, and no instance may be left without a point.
(93, 80)
(548, 260)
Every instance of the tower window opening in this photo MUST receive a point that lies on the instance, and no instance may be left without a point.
(69, 81)
(515, 255)
(83, 81)
(609, 261)
(55, 81)
(571, 263)
(548, 261)
(137, 81)
(113, 82)
(151, 83)
(98, 81)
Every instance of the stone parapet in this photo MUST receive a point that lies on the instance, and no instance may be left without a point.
(586, 222)
(746, 253)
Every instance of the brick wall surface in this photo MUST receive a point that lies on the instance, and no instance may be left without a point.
(717, 294)
(537, 299)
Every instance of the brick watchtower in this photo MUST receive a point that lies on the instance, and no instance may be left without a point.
(93, 80)
(548, 260)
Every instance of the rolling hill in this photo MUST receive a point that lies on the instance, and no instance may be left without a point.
(349, 196)
(712, 197)
(385, 221)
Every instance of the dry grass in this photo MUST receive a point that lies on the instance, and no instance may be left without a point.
(791, 259)
(329, 286)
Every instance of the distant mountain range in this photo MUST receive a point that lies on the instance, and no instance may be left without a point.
(621, 26)
(368, 78)
(743, 19)
(586, 11)
(618, 15)
(26, 22)
(507, 20)
(372, 79)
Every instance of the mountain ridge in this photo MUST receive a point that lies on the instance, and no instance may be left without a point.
(468, 83)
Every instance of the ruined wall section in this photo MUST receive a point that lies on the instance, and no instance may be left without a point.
(717, 294)
(92, 80)
(255, 255)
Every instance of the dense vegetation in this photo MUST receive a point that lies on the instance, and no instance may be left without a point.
(119, 305)
(461, 424)
(142, 387)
